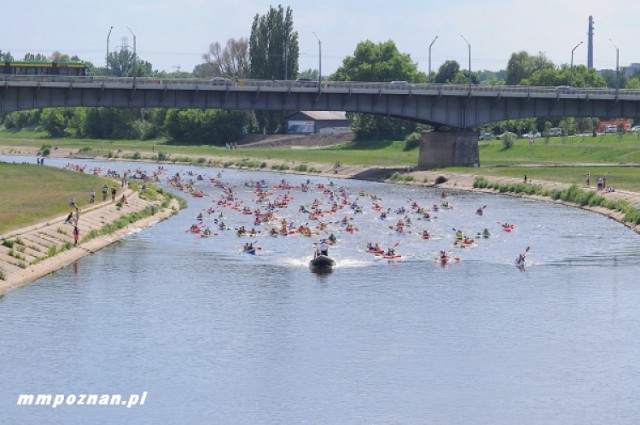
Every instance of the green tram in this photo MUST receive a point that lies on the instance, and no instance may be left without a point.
(62, 68)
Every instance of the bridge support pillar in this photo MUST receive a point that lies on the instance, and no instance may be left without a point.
(448, 149)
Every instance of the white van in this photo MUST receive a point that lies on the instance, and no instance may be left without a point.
(555, 131)
(610, 128)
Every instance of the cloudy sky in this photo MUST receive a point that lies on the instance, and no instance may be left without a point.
(176, 33)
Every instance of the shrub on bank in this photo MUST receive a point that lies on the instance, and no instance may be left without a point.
(572, 194)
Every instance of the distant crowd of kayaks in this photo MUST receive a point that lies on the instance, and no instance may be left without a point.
(270, 200)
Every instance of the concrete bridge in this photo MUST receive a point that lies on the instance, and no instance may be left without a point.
(454, 110)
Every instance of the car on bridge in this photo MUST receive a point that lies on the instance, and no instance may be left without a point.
(306, 82)
(564, 90)
(400, 85)
(220, 81)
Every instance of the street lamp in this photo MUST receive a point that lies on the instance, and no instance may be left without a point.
(108, 35)
(434, 40)
(617, 66)
(469, 46)
(135, 58)
(319, 61)
(571, 69)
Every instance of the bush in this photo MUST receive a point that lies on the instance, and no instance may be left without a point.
(412, 141)
(507, 141)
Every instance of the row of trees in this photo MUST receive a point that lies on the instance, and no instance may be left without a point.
(271, 52)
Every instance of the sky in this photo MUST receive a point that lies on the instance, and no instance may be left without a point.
(174, 34)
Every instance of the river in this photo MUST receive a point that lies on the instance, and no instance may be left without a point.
(213, 335)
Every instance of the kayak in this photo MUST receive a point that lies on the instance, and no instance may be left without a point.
(322, 263)
(520, 264)
(391, 257)
(251, 251)
(447, 260)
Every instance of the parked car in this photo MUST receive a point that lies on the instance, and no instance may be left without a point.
(501, 136)
(635, 129)
(486, 136)
(532, 135)
(610, 128)
(555, 131)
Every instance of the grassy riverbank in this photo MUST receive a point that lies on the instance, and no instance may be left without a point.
(31, 193)
(561, 159)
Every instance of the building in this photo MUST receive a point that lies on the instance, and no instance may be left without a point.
(632, 70)
(309, 122)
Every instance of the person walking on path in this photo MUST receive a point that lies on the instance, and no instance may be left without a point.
(588, 179)
(113, 193)
(76, 235)
(92, 196)
(105, 192)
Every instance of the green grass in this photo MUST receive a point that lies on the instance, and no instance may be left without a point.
(31, 193)
(565, 160)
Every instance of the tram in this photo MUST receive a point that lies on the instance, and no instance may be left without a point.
(63, 68)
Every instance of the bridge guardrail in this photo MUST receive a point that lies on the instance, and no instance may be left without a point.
(386, 87)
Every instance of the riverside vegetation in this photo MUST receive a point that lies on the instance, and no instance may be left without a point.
(560, 159)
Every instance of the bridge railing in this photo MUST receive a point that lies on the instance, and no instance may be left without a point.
(329, 86)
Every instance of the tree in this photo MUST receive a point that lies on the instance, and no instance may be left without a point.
(582, 77)
(273, 54)
(378, 62)
(230, 62)
(123, 63)
(633, 83)
(447, 72)
(521, 66)
(6, 56)
(211, 127)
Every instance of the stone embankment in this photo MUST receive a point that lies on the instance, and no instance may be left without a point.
(42, 248)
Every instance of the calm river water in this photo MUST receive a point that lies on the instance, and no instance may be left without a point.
(216, 336)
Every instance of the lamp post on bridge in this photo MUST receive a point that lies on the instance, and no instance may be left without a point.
(469, 46)
(617, 67)
(108, 35)
(571, 68)
(434, 40)
(135, 57)
(319, 60)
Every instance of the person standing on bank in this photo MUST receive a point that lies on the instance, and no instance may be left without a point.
(76, 235)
